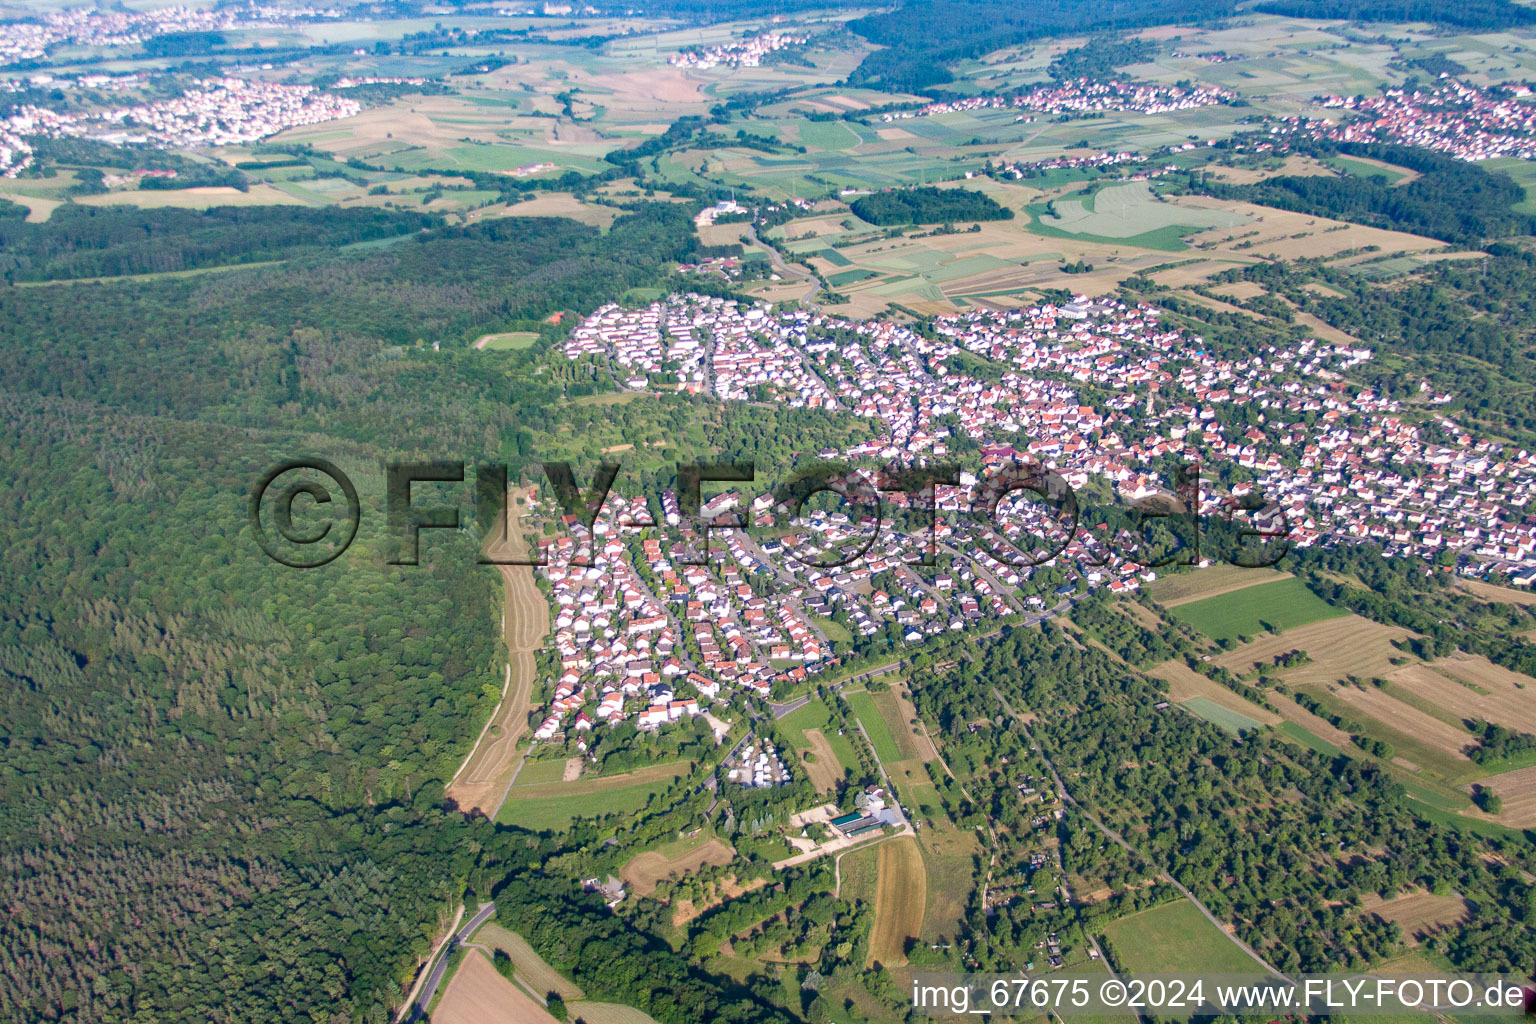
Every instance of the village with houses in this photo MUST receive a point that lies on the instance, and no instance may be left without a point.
(645, 634)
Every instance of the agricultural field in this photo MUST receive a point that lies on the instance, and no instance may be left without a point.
(1229, 719)
(1192, 584)
(607, 1013)
(870, 715)
(531, 970)
(1484, 690)
(900, 893)
(949, 865)
(1517, 788)
(477, 994)
(1175, 938)
(1271, 607)
(1342, 646)
(1132, 212)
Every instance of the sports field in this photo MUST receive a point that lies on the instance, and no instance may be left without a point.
(1270, 607)
(1175, 938)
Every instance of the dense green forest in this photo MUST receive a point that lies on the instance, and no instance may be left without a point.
(220, 777)
(928, 205)
(1100, 60)
(1479, 14)
(108, 241)
(1451, 199)
(922, 39)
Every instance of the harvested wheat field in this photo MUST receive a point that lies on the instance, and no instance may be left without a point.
(1497, 594)
(1419, 914)
(900, 894)
(478, 995)
(1473, 687)
(642, 873)
(531, 969)
(1375, 703)
(825, 770)
(1339, 647)
(1518, 791)
(560, 204)
(1184, 683)
(608, 1013)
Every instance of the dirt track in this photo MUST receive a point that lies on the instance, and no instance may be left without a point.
(482, 781)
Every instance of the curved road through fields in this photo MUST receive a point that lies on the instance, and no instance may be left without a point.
(785, 270)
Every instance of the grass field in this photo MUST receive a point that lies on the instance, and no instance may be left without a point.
(1282, 605)
(835, 631)
(1131, 213)
(678, 858)
(810, 728)
(900, 893)
(1175, 938)
(949, 862)
(510, 340)
(1226, 718)
(1192, 584)
(869, 715)
(554, 805)
(536, 773)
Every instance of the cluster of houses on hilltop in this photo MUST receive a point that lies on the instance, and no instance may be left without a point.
(743, 53)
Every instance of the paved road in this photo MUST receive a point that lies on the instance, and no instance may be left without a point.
(784, 269)
(419, 1010)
